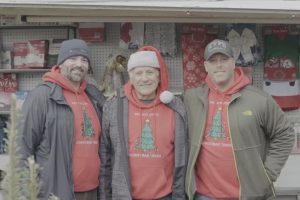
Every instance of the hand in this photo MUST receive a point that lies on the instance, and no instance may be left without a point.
(111, 96)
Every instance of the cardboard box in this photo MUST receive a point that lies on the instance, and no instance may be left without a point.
(37, 53)
(31, 54)
(20, 50)
(92, 32)
(8, 87)
(5, 59)
(20, 98)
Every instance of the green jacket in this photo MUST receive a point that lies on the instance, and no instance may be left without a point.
(261, 136)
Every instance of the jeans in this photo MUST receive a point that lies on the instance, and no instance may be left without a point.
(203, 197)
(167, 197)
(88, 195)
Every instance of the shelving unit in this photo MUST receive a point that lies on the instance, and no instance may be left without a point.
(24, 70)
(71, 29)
(28, 78)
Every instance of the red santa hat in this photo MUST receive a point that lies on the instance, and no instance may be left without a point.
(149, 56)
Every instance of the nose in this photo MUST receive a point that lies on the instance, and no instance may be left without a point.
(219, 63)
(144, 77)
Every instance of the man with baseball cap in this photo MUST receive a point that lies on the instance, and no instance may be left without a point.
(239, 137)
(144, 140)
(61, 127)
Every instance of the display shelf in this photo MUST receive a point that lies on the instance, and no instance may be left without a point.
(71, 29)
(4, 112)
(30, 26)
(24, 70)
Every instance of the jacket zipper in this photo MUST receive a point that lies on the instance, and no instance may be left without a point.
(195, 157)
(71, 166)
(236, 169)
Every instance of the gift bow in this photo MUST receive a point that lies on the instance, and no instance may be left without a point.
(241, 44)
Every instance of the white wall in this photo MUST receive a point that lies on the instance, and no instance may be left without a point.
(289, 179)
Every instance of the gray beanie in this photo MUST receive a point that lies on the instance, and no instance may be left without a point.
(73, 47)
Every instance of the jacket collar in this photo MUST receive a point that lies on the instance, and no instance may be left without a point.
(56, 93)
(202, 94)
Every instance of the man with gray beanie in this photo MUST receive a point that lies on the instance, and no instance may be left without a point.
(239, 138)
(61, 127)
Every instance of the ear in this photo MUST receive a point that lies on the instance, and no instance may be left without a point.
(130, 76)
(205, 65)
(233, 62)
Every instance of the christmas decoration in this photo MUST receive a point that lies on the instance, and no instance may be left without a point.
(194, 38)
(217, 130)
(115, 74)
(281, 53)
(146, 141)
(87, 128)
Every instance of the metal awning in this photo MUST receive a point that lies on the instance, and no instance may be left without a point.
(202, 11)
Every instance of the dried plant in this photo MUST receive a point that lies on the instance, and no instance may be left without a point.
(20, 183)
(13, 177)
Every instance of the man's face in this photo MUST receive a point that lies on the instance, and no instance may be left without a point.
(75, 69)
(220, 69)
(145, 81)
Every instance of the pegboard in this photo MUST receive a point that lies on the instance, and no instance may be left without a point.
(9, 36)
(28, 81)
(100, 54)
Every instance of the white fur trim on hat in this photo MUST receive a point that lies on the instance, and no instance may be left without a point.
(143, 59)
(166, 97)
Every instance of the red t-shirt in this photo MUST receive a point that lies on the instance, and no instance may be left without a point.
(151, 150)
(216, 174)
(85, 158)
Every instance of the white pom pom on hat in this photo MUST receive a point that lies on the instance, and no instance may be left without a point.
(166, 97)
(143, 59)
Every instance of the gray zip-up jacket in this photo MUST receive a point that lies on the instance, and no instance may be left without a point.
(115, 170)
(262, 139)
(47, 132)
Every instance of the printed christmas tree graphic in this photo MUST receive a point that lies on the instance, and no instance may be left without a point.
(217, 130)
(146, 141)
(88, 129)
